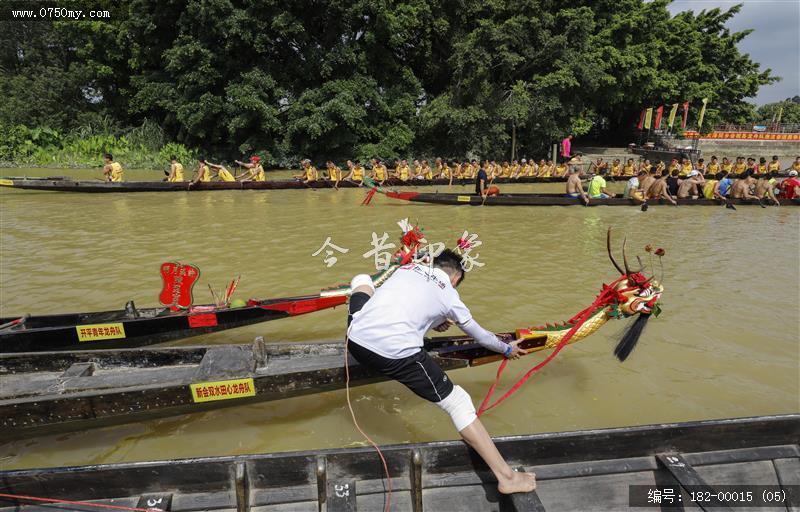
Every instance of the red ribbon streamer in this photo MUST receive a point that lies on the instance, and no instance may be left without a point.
(607, 296)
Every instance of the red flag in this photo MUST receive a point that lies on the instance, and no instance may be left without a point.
(685, 114)
(659, 115)
(641, 120)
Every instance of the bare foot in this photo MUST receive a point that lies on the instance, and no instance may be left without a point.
(520, 482)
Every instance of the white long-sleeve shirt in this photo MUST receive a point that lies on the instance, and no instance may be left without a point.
(415, 298)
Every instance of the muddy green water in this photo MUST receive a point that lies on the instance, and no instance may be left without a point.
(725, 346)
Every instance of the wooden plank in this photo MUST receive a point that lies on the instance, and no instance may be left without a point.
(79, 370)
(742, 455)
(525, 502)
(788, 471)
(416, 480)
(688, 477)
(242, 485)
(341, 496)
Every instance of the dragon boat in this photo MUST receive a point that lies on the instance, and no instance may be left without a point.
(64, 391)
(605, 469)
(547, 199)
(65, 184)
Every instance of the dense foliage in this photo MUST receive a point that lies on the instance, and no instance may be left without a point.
(370, 77)
(788, 109)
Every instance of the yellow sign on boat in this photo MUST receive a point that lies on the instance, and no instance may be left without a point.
(95, 332)
(7, 183)
(222, 390)
(463, 199)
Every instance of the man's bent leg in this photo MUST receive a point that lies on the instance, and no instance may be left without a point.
(458, 405)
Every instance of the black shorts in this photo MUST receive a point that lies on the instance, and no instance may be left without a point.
(419, 372)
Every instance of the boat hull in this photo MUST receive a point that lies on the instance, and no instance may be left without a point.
(582, 470)
(120, 329)
(56, 392)
(558, 200)
(61, 184)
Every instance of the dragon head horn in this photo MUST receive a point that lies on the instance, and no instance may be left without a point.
(610, 255)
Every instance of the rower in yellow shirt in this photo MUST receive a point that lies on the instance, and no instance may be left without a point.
(673, 165)
(416, 171)
(112, 170)
(175, 170)
(616, 167)
(701, 166)
(726, 166)
(774, 165)
(427, 172)
(686, 167)
(762, 165)
(379, 171)
(660, 168)
(220, 172)
(466, 170)
(203, 173)
(254, 172)
(546, 170)
(713, 166)
(356, 172)
(334, 173)
(628, 169)
(740, 166)
(308, 172)
(506, 170)
(561, 170)
(796, 164)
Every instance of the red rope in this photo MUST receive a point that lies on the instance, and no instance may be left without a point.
(81, 503)
(605, 297)
(355, 422)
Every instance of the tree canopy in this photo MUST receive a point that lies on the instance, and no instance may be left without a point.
(373, 77)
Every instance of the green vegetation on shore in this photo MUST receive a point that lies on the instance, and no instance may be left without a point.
(357, 78)
(143, 147)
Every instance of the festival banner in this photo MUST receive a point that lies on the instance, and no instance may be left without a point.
(702, 113)
(648, 117)
(659, 115)
(685, 114)
(672, 115)
(641, 121)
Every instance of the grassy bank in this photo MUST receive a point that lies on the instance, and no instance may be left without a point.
(140, 147)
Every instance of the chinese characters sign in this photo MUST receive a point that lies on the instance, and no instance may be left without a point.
(95, 332)
(222, 390)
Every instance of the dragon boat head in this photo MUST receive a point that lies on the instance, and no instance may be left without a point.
(634, 294)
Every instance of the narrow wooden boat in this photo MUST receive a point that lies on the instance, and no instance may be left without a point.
(557, 200)
(62, 391)
(686, 464)
(132, 327)
(64, 184)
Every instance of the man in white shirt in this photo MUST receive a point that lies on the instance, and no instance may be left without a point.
(386, 330)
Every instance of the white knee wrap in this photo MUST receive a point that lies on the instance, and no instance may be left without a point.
(361, 280)
(458, 405)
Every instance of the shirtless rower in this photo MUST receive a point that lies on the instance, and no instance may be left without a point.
(645, 182)
(741, 189)
(575, 185)
(765, 188)
(691, 186)
(659, 190)
(386, 329)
